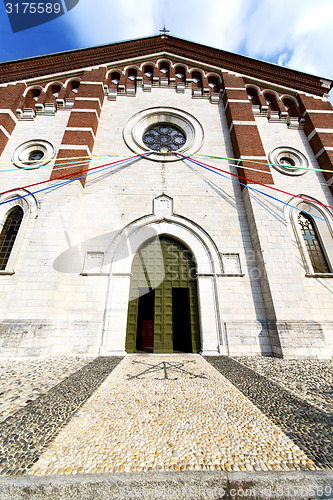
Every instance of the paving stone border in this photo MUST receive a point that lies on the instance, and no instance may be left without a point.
(309, 379)
(185, 485)
(24, 435)
(309, 427)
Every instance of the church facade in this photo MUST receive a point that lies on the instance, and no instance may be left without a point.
(162, 196)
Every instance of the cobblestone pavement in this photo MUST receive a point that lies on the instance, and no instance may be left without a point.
(309, 427)
(308, 379)
(164, 412)
(25, 434)
(24, 381)
(169, 412)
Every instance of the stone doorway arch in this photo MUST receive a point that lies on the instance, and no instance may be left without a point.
(121, 253)
(163, 303)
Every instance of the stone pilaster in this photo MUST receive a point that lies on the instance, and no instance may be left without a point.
(10, 97)
(79, 136)
(318, 126)
(243, 129)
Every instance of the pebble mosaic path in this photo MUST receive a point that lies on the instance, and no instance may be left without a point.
(25, 434)
(24, 381)
(173, 412)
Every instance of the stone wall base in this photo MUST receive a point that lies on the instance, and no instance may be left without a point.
(303, 339)
(248, 338)
(287, 339)
(43, 338)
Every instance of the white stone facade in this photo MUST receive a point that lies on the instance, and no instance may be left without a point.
(70, 271)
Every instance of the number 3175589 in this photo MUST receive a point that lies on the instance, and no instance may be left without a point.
(33, 8)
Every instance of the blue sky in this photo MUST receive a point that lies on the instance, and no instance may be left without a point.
(295, 33)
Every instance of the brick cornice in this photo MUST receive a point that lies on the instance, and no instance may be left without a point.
(83, 58)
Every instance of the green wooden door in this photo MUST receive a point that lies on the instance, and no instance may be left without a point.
(163, 265)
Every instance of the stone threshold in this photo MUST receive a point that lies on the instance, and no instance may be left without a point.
(201, 485)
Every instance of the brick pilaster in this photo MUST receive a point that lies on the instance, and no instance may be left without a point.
(318, 126)
(79, 136)
(10, 97)
(243, 129)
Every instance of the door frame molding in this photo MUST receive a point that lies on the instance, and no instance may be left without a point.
(120, 255)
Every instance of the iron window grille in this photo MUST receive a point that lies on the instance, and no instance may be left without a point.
(8, 235)
(313, 244)
(164, 138)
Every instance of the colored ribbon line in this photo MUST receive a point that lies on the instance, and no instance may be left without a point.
(100, 169)
(80, 159)
(292, 167)
(256, 182)
(213, 169)
(261, 171)
(243, 160)
(73, 173)
(118, 162)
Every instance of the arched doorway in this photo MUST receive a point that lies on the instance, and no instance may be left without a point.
(163, 308)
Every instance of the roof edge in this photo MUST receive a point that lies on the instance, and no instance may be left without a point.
(26, 68)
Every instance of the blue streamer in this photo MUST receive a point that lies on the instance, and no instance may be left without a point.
(72, 180)
(254, 189)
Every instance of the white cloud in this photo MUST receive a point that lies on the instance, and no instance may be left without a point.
(297, 33)
(294, 33)
(102, 22)
(215, 24)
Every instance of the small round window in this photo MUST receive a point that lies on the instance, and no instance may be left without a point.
(164, 138)
(33, 154)
(288, 161)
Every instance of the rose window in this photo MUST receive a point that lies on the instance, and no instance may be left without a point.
(164, 138)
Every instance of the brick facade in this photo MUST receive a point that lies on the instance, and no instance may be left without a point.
(79, 136)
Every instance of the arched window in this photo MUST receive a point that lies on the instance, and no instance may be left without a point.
(131, 80)
(197, 85)
(53, 92)
(253, 96)
(313, 244)
(180, 73)
(164, 73)
(148, 73)
(148, 77)
(115, 78)
(75, 86)
(291, 108)
(197, 79)
(8, 234)
(165, 68)
(271, 102)
(213, 84)
(31, 98)
(72, 89)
